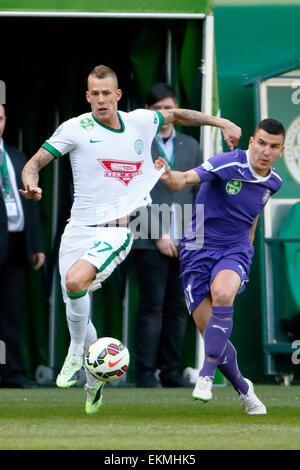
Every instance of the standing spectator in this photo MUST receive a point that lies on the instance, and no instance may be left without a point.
(20, 245)
(162, 314)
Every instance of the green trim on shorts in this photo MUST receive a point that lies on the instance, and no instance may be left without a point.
(56, 153)
(76, 295)
(115, 253)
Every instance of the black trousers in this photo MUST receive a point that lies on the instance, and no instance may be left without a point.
(162, 314)
(12, 282)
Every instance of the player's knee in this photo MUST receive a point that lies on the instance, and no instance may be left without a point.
(73, 283)
(221, 296)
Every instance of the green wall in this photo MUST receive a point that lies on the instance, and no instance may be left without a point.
(250, 40)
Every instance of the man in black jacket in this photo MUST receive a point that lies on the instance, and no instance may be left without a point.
(162, 315)
(20, 245)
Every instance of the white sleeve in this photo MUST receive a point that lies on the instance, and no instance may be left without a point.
(63, 140)
(148, 121)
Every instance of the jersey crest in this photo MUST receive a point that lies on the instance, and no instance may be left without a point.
(87, 124)
(138, 146)
(121, 170)
(233, 187)
(266, 196)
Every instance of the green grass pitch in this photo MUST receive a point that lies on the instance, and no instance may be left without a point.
(148, 419)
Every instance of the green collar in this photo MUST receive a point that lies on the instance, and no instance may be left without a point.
(110, 128)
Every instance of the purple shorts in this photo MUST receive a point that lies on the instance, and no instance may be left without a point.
(200, 267)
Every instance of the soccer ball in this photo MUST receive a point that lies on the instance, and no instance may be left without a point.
(107, 359)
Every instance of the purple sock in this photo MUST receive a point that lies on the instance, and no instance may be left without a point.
(229, 368)
(216, 335)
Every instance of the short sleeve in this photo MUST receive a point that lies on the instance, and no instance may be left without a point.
(149, 121)
(63, 139)
(204, 171)
(221, 166)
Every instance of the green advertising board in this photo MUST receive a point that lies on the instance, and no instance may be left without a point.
(280, 98)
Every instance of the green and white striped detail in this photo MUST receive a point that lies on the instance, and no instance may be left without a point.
(116, 253)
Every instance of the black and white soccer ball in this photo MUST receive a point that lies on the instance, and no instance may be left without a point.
(107, 359)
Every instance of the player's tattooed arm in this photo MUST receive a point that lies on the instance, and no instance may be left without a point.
(176, 180)
(188, 117)
(30, 174)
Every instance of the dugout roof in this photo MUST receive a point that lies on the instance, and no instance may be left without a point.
(106, 6)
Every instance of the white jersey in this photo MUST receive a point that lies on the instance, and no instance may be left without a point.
(113, 171)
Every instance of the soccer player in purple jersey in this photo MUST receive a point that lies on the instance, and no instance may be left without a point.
(217, 248)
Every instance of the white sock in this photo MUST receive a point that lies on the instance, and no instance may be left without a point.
(90, 336)
(78, 311)
(90, 379)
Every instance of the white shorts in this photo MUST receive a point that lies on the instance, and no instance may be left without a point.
(103, 247)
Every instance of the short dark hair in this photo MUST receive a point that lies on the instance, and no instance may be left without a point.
(102, 71)
(160, 91)
(271, 126)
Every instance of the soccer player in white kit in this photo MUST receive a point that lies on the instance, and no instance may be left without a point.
(113, 173)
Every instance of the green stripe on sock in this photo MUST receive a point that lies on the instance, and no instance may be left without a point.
(115, 254)
(76, 295)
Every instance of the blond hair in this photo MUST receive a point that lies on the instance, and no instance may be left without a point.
(102, 71)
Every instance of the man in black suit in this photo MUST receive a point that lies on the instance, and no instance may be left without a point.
(162, 314)
(20, 245)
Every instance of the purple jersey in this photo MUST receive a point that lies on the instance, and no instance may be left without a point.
(230, 197)
(218, 236)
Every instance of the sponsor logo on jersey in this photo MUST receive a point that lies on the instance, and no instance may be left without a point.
(155, 118)
(266, 196)
(87, 124)
(138, 146)
(292, 149)
(233, 187)
(120, 169)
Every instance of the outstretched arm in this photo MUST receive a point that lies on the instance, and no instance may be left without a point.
(176, 180)
(30, 174)
(187, 117)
